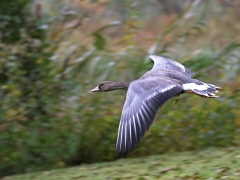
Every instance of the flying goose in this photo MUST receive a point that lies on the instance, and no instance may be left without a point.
(147, 94)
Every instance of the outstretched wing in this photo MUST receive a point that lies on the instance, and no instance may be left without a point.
(168, 64)
(144, 97)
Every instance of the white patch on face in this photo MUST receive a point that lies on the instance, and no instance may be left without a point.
(190, 86)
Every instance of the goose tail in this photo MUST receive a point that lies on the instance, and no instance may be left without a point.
(202, 89)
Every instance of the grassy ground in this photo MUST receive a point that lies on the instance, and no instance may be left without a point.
(212, 163)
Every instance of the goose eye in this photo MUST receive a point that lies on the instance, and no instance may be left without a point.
(100, 86)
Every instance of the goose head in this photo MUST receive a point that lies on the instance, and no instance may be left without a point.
(106, 86)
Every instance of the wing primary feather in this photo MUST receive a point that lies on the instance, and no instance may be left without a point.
(130, 135)
(158, 100)
(139, 125)
(133, 135)
(148, 118)
(150, 113)
(153, 105)
(120, 144)
(118, 137)
(148, 109)
(135, 129)
(143, 128)
(154, 101)
(152, 108)
(125, 135)
(143, 119)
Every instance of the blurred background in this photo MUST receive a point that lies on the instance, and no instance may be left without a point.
(53, 52)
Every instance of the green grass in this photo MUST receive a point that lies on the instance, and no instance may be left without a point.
(212, 163)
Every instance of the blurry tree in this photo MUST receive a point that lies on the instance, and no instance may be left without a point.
(11, 16)
(30, 95)
(53, 56)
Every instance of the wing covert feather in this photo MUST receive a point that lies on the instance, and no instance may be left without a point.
(164, 63)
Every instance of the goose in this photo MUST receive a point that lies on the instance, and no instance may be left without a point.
(146, 95)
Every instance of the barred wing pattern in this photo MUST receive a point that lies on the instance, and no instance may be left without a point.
(144, 97)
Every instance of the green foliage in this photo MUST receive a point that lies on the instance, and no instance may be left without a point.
(99, 41)
(93, 1)
(33, 122)
(48, 116)
(14, 19)
(211, 163)
(32, 117)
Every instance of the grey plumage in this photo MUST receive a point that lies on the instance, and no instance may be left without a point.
(146, 95)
